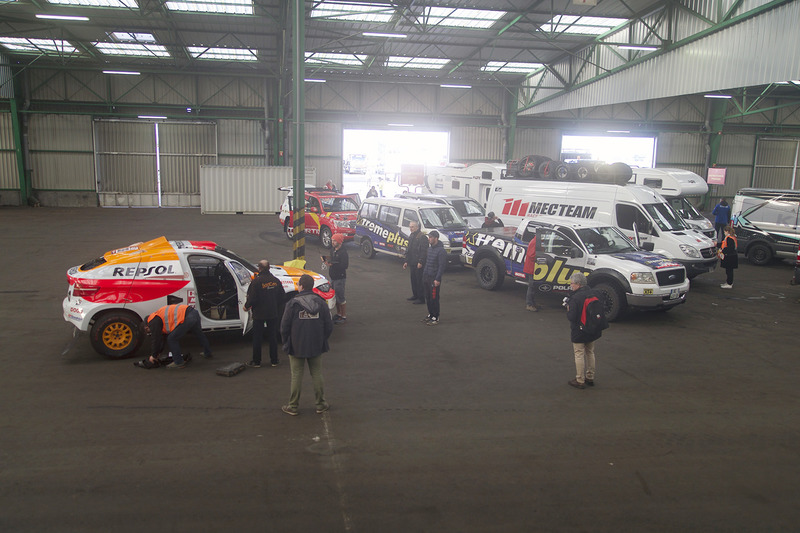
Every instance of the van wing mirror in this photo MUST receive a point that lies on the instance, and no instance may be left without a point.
(648, 246)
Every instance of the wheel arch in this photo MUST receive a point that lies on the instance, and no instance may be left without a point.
(607, 275)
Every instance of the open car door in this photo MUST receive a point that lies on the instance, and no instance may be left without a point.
(243, 279)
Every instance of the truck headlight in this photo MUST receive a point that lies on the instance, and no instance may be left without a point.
(643, 277)
(691, 251)
(342, 223)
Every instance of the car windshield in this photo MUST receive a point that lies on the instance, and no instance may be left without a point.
(605, 240)
(468, 207)
(336, 204)
(441, 218)
(666, 218)
(685, 208)
(231, 255)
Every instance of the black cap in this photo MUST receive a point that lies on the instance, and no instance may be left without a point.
(491, 214)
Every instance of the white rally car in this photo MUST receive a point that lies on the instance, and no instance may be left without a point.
(112, 295)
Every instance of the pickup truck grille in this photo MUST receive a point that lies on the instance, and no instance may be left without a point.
(708, 253)
(670, 277)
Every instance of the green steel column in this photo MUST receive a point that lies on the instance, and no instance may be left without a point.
(24, 183)
(512, 125)
(716, 122)
(299, 167)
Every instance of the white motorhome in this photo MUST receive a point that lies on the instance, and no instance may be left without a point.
(639, 212)
(677, 186)
(473, 181)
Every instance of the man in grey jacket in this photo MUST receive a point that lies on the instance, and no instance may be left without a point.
(305, 328)
(435, 263)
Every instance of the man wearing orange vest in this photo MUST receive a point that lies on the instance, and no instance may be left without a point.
(173, 322)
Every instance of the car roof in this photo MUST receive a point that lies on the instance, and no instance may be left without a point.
(423, 195)
(574, 223)
(405, 202)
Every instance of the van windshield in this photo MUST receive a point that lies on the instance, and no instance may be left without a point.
(685, 208)
(605, 240)
(667, 219)
(468, 207)
(441, 218)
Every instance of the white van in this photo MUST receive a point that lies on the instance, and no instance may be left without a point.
(677, 186)
(383, 225)
(473, 181)
(640, 212)
(767, 223)
(470, 210)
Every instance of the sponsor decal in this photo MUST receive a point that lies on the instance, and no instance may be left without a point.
(73, 317)
(519, 208)
(507, 249)
(391, 237)
(654, 261)
(305, 315)
(191, 297)
(123, 250)
(145, 271)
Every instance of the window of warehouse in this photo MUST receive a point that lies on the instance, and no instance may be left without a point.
(609, 148)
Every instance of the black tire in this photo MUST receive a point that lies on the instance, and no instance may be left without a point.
(288, 230)
(366, 248)
(563, 172)
(584, 172)
(547, 170)
(616, 306)
(759, 254)
(620, 173)
(490, 274)
(527, 167)
(117, 334)
(325, 237)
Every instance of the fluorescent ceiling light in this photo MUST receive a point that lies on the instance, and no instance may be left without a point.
(510, 67)
(401, 125)
(227, 7)
(580, 25)
(313, 80)
(796, 82)
(460, 18)
(448, 86)
(431, 63)
(388, 35)
(637, 47)
(125, 37)
(617, 131)
(123, 72)
(222, 54)
(717, 96)
(61, 17)
(352, 12)
(335, 60)
(132, 49)
(152, 117)
(127, 4)
(38, 46)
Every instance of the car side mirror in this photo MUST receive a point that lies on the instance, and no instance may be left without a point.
(649, 246)
(313, 209)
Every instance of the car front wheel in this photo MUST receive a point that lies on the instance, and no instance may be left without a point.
(325, 237)
(615, 300)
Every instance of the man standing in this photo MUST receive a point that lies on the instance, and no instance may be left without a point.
(305, 328)
(529, 269)
(492, 221)
(338, 263)
(264, 297)
(173, 322)
(415, 260)
(722, 218)
(582, 341)
(436, 261)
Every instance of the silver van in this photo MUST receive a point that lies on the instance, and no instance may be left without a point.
(766, 223)
(470, 210)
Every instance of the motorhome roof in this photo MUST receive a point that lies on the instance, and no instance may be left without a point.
(768, 193)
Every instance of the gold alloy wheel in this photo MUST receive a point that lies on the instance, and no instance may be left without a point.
(117, 336)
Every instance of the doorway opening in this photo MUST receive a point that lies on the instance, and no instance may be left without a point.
(634, 151)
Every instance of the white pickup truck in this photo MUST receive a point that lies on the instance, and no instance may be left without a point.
(630, 278)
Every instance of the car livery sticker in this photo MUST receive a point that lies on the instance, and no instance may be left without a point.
(654, 261)
(383, 237)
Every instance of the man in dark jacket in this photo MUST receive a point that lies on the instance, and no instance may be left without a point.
(435, 263)
(338, 263)
(582, 343)
(492, 221)
(264, 297)
(305, 328)
(416, 255)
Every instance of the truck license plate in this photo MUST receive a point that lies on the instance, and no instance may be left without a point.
(674, 294)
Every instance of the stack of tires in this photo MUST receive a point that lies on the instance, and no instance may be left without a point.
(541, 167)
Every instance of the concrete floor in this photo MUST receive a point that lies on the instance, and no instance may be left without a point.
(469, 426)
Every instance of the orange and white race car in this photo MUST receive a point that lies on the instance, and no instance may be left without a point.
(111, 296)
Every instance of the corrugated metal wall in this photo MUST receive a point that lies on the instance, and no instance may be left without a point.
(324, 151)
(241, 142)
(61, 152)
(183, 147)
(476, 144)
(776, 165)
(681, 150)
(6, 78)
(546, 142)
(126, 157)
(226, 189)
(9, 177)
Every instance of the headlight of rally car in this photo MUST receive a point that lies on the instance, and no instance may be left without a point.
(342, 223)
(691, 251)
(643, 277)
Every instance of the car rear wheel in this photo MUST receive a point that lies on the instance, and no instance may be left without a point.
(615, 300)
(325, 237)
(117, 335)
(489, 274)
(366, 248)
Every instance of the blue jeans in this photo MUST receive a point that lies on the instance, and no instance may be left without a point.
(529, 300)
(297, 365)
(191, 322)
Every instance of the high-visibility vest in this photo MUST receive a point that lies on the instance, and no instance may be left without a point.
(171, 316)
